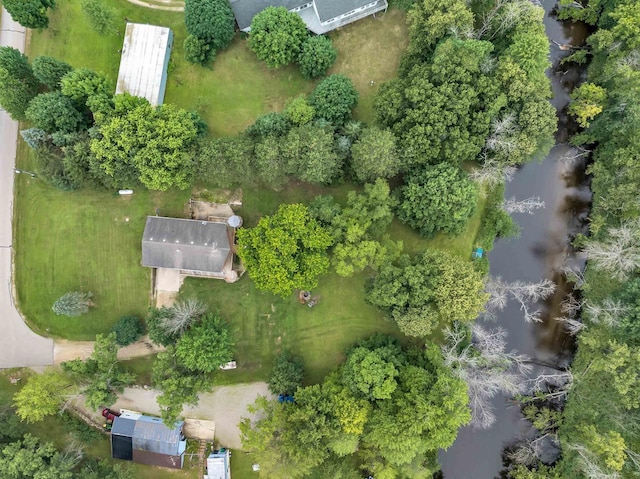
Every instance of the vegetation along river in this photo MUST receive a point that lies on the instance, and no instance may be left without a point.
(540, 252)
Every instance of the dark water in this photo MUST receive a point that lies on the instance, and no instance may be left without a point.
(541, 249)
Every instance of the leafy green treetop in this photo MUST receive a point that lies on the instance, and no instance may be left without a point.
(18, 85)
(29, 13)
(285, 251)
(286, 374)
(49, 71)
(334, 98)
(317, 56)
(206, 345)
(437, 199)
(276, 36)
(211, 21)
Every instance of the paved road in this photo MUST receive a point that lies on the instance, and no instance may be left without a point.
(19, 346)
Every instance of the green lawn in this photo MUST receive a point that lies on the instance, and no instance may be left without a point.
(82, 241)
(236, 88)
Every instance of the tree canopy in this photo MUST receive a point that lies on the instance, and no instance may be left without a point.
(276, 36)
(286, 374)
(30, 13)
(316, 56)
(206, 345)
(49, 71)
(374, 155)
(285, 251)
(334, 98)
(18, 85)
(429, 290)
(437, 199)
(211, 27)
(155, 142)
(387, 409)
(53, 112)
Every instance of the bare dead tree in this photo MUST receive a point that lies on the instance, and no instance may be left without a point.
(529, 450)
(181, 315)
(487, 368)
(501, 18)
(526, 294)
(492, 173)
(608, 312)
(619, 254)
(589, 465)
(574, 154)
(72, 454)
(572, 325)
(552, 386)
(528, 205)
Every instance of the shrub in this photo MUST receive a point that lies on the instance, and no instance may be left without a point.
(128, 329)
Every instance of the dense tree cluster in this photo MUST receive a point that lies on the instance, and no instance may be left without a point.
(387, 408)
(285, 251)
(427, 291)
(211, 28)
(29, 13)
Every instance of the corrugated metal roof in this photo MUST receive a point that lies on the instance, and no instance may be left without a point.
(218, 465)
(151, 434)
(185, 244)
(145, 53)
(123, 426)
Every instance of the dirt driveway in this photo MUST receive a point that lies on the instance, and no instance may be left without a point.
(225, 405)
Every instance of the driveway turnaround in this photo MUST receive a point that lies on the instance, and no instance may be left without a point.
(19, 346)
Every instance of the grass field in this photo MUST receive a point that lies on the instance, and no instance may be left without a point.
(236, 88)
(82, 241)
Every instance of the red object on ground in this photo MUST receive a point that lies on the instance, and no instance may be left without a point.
(109, 414)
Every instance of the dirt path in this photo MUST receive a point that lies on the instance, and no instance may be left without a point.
(64, 350)
(166, 8)
(224, 405)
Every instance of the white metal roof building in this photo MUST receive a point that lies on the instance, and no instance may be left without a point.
(145, 58)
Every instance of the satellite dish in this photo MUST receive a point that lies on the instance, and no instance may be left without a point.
(234, 221)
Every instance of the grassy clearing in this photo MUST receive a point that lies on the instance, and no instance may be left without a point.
(82, 241)
(236, 88)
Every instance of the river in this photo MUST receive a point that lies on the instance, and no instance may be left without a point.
(539, 251)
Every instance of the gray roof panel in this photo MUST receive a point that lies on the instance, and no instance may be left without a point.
(328, 9)
(123, 427)
(245, 10)
(193, 245)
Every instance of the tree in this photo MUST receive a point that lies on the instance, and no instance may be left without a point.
(54, 112)
(276, 36)
(49, 71)
(308, 152)
(181, 316)
(270, 124)
(73, 303)
(440, 198)
(127, 330)
(156, 142)
(334, 98)
(178, 385)
(211, 21)
(197, 50)
(285, 251)
(433, 288)
(286, 374)
(29, 458)
(588, 100)
(102, 17)
(18, 85)
(316, 56)
(370, 374)
(619, 252)
(82, 84)
(157, 333)
(374, 155)
(30, 13)
(226, 161)
(34, 137)
(101, 376)
(298, 111)
(43, 395)
(206, 345)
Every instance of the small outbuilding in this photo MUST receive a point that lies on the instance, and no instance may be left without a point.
(147, 440)
(144, 62)
(219, 465)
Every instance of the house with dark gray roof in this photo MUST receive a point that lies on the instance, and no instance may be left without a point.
(147, 440)
(320, 16)
(190, 247)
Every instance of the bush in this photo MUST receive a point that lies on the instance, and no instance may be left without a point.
(73, 303)
(317, 56)
(128, 329)
(101, 16)
(286, 374)
(276, 36)
(197, 51)
(334, 98)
